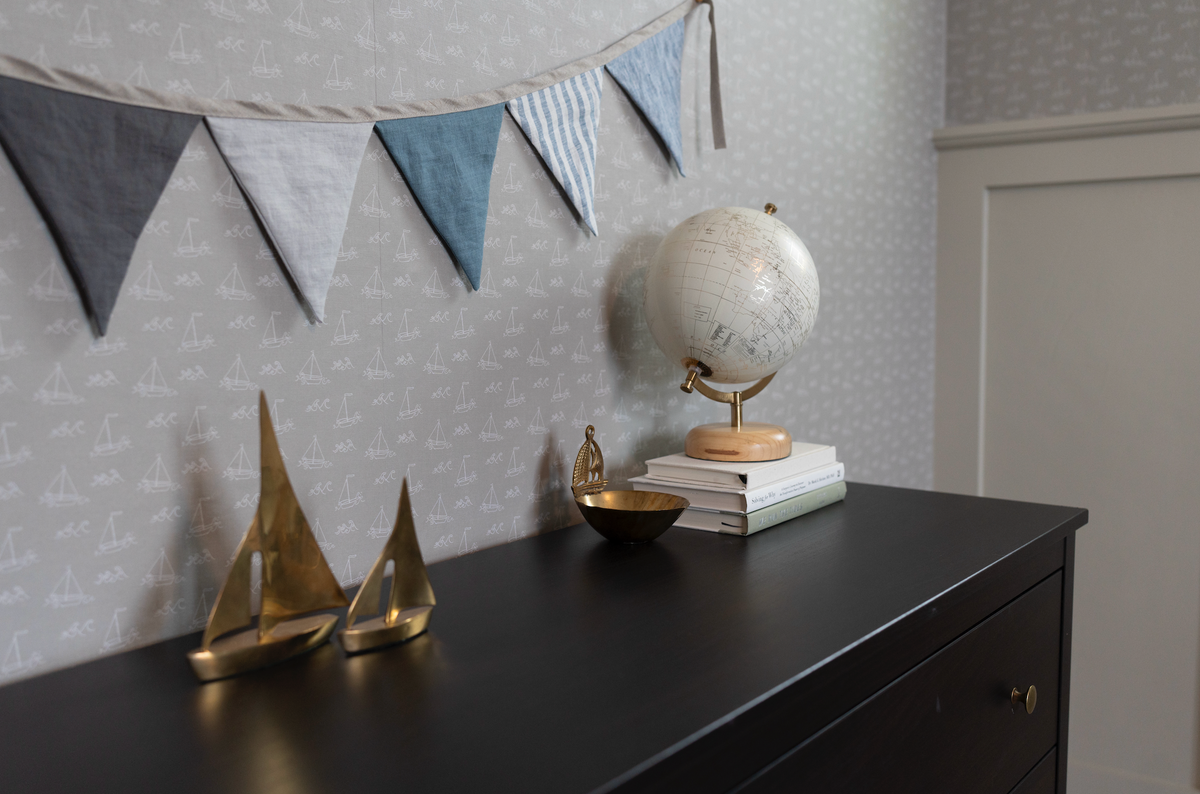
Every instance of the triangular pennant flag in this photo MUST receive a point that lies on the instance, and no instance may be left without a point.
(447, 162)
(95, 170)
(299, 176)
(650, 73)
(560, 122)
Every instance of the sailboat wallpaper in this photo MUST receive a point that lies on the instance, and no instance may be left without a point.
(131, 460)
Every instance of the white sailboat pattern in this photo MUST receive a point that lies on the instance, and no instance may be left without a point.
(157, 479)
(109, 542)
(512, 328)
(377, 369)
(281, 427)
(402, 252)
(223, 10)
(161, 574)
(435, 365)
(514, 467)
(487, 287)
(461, 329)
(104, 445)
(349, 578)
(433, 287)
(314, 458)
(381, 528)
(148, 288)
(114, 640)
(229, 196)
(236, 378)
(13, 664)
(372, 207)
(51, 286)
(580, 356)
(558, 258)
(322, 542)
(489, 432)
(379, 450)
(407, 410)
(465, 477)
(271, 339)
(534, 218)
(511, 257)
(601, 387)
(233, 288)
(507, 38)
(579, 288)
(580, 421)
(187, 247)
(61, 492)
(428, 51)
(9, 561)
(311, 375)
(437, 439)
(345, 500)
(463, 405)
(344, 419)
(192, 343)
(297, 22)
(452, 23)
(465, 547)
(535, 358)
(403, 333)
(439, 515)
(490, 503)
(241, 468)
(340, 335)
(559, 326)
(201, 525)
(366, 37)
(83, 36)
(261, 68)
(104, 346)
(178, 52)
(535, 288)
(333, 80)
(68, 593)
(8, 458)
(398, 93)
(513, 399)
(488, 362)
(537, 427)
(373, 289)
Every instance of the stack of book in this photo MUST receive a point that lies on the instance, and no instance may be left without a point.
(743, 498)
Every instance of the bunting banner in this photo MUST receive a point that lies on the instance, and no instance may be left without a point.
(299, 178)
(95, 171)
(447, 162)
(560, 123)
(651, 75)
(95, 154)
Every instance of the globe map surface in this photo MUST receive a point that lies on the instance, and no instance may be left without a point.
(734, 289)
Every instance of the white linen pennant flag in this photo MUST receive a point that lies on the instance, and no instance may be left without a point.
(299, 177)
(560, 123)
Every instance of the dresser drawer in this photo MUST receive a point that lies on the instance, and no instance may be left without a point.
(948, 724)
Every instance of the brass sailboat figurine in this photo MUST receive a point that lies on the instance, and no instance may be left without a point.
(295, 580)
(410, 602)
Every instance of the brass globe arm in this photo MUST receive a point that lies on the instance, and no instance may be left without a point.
(733, 398)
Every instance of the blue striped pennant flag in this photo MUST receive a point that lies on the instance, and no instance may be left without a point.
(560, 123)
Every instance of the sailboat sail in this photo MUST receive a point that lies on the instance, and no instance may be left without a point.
(232, 288)
(105, 445)
(68, 593)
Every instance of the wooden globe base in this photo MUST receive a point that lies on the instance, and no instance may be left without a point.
(753, 441)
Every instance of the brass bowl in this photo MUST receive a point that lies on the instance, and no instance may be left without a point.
(631, 516)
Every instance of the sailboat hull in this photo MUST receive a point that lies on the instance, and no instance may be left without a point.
(242, 652)
(376, 633)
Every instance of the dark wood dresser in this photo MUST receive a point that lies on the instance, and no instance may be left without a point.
(871, 646)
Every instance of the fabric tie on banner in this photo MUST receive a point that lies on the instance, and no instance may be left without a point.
(560, 123)
(650, 74)
(447, 163)
(299, 177)
(95, 170)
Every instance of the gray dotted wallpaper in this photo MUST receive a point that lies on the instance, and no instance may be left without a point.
(1016, 59)
(128, 466)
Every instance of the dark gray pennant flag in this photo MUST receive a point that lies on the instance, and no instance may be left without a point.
(447, 162)
(95, 170)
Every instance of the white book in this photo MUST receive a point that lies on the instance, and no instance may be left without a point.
(740, 474)
(738, 524)
(744, 501)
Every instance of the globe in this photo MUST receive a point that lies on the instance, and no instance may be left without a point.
(733, 292)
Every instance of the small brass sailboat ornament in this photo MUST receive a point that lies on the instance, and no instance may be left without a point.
(410, 602)
(296, 580)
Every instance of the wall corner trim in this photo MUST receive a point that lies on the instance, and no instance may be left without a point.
(1133, 121)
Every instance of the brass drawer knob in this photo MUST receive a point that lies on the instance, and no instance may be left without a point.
(1028, 697)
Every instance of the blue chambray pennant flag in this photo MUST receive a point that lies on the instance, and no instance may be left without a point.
(95, 170)
(447, 162)
(650, 74)
(560, 123)
(299, 177)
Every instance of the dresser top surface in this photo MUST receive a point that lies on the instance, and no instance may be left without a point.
(558, 663)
